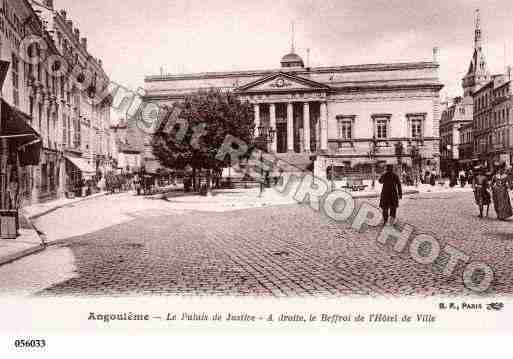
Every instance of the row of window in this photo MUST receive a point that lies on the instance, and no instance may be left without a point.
(51, 117)
(381, 128)
(447, 115)
(498, 138)
(495, 118)
(466, 137)
(485, 99)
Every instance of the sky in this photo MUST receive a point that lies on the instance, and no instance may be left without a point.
(137, 38)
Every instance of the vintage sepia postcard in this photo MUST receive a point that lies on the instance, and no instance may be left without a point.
(244, 166)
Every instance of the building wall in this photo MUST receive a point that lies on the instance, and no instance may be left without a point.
(17, 90)
(396, 104)
(337, 76)
(80, 126)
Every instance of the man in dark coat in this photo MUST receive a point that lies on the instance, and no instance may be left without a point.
(391, 193)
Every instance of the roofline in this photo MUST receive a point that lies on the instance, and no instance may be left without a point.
(316, 85)
(437, 87)
(85, 52)
(502, 85)
(324, 69)
(483, 87)
(492, 83)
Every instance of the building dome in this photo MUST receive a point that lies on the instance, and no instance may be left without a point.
(292, 60)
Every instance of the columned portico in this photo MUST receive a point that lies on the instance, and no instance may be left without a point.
(257, 118)
(324, 127)
(290, 127)
(306, 126)
(297, 124)
(272, 124)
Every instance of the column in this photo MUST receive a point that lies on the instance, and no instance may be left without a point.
(290, 127)
(306, 126)
(272, 124)
(324, 126)
(257, 118)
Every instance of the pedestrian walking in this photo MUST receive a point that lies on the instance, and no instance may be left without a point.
(470, 176)
(432, 178)
(391, 193)
(137, 184)
(500, 195)
(463, 178)
(453, 180)
(481, 194)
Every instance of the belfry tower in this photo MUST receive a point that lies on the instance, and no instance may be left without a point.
(478, 73)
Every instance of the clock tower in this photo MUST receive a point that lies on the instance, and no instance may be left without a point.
(477, 74)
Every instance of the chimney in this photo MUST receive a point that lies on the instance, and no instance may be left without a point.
(84, 42)
(509, 73)
(435, 55)
(77, 34)
(63, 14)
(49, 4)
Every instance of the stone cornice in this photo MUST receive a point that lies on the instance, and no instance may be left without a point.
(164, 95)
(392, 139)
(314, 70)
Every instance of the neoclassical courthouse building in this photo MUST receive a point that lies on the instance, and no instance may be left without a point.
(332, 116)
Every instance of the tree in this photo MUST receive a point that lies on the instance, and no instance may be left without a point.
(193, 130)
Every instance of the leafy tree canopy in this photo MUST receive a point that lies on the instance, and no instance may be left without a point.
(193, 130)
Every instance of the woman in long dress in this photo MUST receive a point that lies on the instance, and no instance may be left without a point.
(500, 195)
(481, 194)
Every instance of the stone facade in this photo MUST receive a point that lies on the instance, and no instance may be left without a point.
(333, 115)
(466, 144)
(17, 21)
(454, 117)
(71, 124)
(492, 121)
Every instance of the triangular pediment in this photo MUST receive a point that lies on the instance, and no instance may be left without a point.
(282, 82)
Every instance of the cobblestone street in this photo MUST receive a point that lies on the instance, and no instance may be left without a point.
(141, 246)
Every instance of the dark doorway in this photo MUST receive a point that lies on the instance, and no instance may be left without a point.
(281, 137)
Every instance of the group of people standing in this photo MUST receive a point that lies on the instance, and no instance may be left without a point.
(463, 176)
(499, 184)
(488, 187)
(123, 182)
(143, 184)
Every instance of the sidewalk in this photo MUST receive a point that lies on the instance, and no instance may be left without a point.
(29, 241)
(40, 209)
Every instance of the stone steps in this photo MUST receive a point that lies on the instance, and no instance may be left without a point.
(295, 162)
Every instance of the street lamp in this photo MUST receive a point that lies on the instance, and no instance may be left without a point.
(265, 136)
(332, 175)
(372, 155)
(416, 161)
(399, 150)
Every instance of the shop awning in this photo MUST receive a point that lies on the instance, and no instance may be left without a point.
(21, 136)
(84, 167)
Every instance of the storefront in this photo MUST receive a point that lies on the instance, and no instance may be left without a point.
(78, 173)
(20, 151)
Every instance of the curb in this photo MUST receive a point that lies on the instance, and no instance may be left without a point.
(26, 252)
(50, 210)
(19, 255)
(39, 248)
